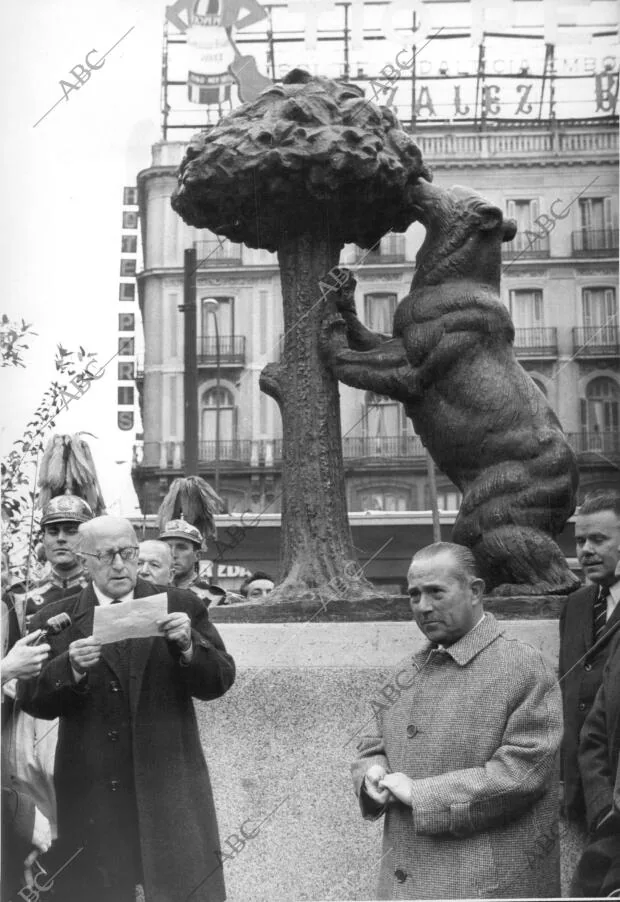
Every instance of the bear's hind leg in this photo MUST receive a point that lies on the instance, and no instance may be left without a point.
(519, 560)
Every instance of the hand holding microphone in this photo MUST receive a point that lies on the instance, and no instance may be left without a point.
(25, 660)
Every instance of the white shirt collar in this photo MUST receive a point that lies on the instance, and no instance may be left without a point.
(105, 599)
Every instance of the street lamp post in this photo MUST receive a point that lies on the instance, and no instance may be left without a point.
(190, 372)
(212, 306)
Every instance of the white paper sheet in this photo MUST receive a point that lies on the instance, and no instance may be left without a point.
(130, 619)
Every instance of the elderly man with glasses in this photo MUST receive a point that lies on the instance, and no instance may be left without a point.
(135, 805)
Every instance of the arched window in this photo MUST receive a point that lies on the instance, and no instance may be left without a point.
(227, 415)
(448, 499)
(235, 501)
(384, 499)
(600, 412)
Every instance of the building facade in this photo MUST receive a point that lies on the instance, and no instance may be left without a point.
(559, 180)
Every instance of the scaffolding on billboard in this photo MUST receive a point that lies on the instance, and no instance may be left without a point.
(272, 48)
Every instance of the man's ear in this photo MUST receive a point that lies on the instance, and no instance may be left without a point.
(477, 587)
(490, 216)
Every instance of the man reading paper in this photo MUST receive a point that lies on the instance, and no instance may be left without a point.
(132, 784)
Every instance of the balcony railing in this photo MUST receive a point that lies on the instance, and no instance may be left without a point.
(596, 341)
(390, 250)
(603, 444)
(171, 455)
(230, 450)
(526, 247)
(522, 142)
(217, 253)
(595, 243)
(537, 342)
(408, 448)
(232, 350)
(382, 446)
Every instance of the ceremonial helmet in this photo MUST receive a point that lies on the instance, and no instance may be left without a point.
(181, 529)
(66, 509)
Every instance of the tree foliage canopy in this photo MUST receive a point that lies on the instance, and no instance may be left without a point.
(310, 155)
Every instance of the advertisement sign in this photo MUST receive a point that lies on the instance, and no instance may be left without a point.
(214, 61)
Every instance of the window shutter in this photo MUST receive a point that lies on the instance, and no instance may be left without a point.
(610, 304)
(539, 317)
(587, 306)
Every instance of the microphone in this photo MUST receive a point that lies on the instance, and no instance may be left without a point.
(54, 625)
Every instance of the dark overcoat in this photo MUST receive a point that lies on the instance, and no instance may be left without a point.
(131, 778)
(478, 728)
(580, 677)
(599, 761)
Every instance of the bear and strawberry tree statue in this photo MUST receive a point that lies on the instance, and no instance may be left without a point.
(306, 168)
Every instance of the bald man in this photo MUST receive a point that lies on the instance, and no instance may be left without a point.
(461, 763)
(155, 562)
(134, 798)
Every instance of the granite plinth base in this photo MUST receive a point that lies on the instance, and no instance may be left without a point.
(280, 743)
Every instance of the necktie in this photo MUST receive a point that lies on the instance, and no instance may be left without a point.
(600, 612)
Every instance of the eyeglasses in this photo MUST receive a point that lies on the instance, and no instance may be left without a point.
(107, 557)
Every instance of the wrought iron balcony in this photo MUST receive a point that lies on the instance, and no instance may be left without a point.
(361, 447)
(605, 446)
(237, 450)
(596, 341)
(232, 350)
(595, 243)
(525, 246)
(217, 253)
(170, 455)
(536, 343)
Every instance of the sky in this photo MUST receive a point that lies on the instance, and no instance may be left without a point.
(63, 175)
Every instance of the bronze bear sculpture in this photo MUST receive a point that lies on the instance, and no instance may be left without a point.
(451, 362)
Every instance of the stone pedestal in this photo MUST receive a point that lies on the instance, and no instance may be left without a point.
(280, 743)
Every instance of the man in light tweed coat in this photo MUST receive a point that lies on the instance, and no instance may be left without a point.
(463, 762)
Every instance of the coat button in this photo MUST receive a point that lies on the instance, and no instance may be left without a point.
(114, 785)
(587, 667)
(114, 686)
(582, 706)
(412, 730)
(400, 875)
(113, 735)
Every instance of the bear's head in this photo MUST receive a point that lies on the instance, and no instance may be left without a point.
(464, 233)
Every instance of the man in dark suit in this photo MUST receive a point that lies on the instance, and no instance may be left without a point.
(598, 873)
(134, 800)
(589, 617)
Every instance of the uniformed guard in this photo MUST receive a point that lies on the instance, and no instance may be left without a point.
(185, 542)
(66, 577)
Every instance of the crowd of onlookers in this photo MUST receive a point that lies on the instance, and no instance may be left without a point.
(465, 780)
